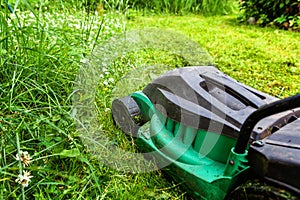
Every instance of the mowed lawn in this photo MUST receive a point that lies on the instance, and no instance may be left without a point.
(264, 58)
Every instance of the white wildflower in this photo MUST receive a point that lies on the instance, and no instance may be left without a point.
(24, 157)
(24, 179)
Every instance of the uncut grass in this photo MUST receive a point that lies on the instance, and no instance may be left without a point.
(39, 64)
(178, 7)
(36, 80)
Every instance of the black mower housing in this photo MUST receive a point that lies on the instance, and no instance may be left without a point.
(207, 99)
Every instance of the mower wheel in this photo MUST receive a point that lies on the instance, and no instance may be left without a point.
(126, 115)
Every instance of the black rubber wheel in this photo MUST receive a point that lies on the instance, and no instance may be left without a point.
(126, 115)
(259, 190)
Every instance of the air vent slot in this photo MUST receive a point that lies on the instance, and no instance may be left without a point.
(274, 129)
(236, 90)
(291, 119)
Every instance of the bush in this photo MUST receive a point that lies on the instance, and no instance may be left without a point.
(282, 13)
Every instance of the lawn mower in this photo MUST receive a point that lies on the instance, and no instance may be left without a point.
(223, 139)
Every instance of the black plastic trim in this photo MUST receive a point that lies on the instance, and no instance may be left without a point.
(264, 111)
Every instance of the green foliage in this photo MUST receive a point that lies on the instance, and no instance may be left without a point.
(207, 7)
(179, 7)
(54, 5)
(285, 14)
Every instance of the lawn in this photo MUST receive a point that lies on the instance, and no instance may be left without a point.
(41, 54)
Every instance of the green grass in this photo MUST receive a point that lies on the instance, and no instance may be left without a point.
(264, 58)
(40, 56)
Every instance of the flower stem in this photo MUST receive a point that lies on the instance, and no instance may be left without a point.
(20, 163)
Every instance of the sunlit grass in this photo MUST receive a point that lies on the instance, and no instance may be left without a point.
(264, 58)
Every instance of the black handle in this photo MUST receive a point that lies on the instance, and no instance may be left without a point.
(264, 111)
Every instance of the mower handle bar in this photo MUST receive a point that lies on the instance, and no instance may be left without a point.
(262, 112)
